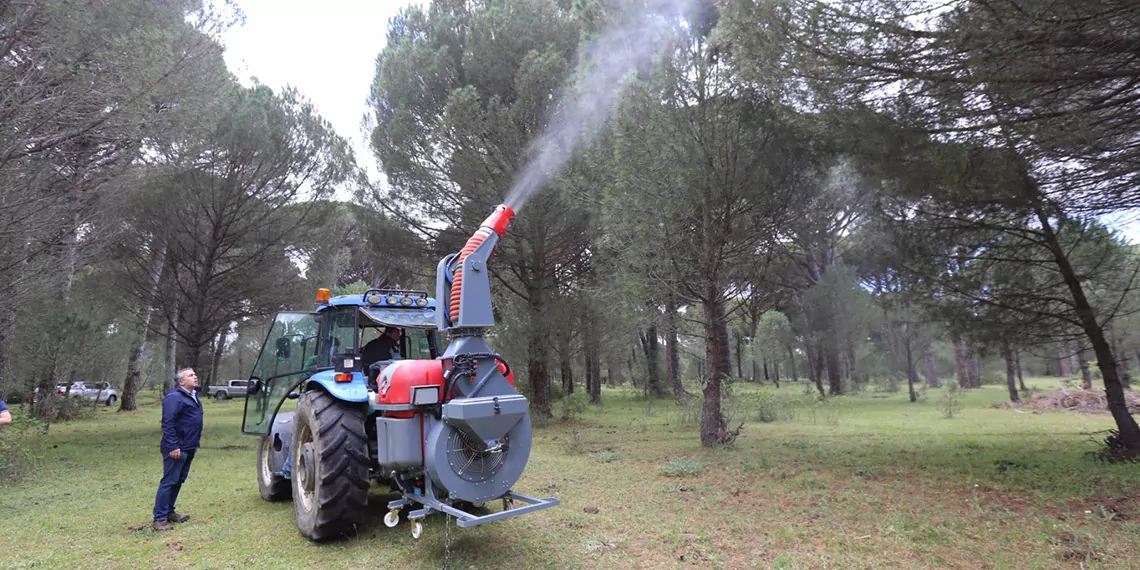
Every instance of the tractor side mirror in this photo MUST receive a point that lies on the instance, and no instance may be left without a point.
(284, 348)
(254, 386)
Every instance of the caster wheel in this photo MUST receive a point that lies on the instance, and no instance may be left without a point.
(417, 530)
(392, 519)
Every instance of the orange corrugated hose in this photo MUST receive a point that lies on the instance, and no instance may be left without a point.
(473, 242)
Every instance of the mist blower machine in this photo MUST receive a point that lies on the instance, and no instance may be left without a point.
(446, 429)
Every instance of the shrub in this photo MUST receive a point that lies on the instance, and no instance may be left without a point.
(573, 443)
(682, 468)
(574, 406)
(605, 456)
(951, 401)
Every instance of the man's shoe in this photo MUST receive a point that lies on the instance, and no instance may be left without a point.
(162, 526)
(177, 518)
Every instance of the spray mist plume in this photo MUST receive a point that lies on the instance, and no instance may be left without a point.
(587, 103)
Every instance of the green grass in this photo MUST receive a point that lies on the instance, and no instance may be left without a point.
(869, 481)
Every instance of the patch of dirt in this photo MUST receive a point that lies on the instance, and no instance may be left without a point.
(1084, 401)
(1113, 509)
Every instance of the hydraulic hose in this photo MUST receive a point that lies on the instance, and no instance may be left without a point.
(473, 242)
(497, 222)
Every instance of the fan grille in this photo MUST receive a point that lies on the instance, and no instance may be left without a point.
(469, 460)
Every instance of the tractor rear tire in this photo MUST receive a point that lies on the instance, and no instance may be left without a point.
(273, 486)
(330, 465)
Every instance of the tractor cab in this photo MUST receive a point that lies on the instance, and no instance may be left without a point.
(327, 348)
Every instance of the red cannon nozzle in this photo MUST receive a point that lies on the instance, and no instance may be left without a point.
(500, 219)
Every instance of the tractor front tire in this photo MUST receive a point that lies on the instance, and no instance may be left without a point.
(273, 486)
(330, 465)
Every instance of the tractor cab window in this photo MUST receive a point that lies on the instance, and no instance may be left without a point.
(414, 344)
(338, 332)
(417, 344)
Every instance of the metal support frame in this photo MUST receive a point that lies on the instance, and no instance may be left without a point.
(432, 504)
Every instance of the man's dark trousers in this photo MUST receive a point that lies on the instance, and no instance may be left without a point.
(174, 472)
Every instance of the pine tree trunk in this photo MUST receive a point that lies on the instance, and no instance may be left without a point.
(137, 358)
(911, 369)
(1063, 362)
(1074, 349)
(719, 367)
(1020, 376)
(216, 360)
(852, 364)
(1010, 372)
(973, 366)
(1086, 374)
(1113, 387)
(792, 363)
(171, 348)
(652, 347)
(566, 371)
(588, 355)
(776, 372)
(931, 373)
(672, 350)
(536, 371)
(739, 355)
(961, 365)
(815, 366)
(831, 357)
(593, 369)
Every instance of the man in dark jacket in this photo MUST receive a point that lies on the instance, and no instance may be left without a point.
(181, 430)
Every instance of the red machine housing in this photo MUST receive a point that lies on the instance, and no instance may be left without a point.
(395, 383)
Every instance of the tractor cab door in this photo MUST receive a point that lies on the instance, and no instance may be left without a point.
(286, 360)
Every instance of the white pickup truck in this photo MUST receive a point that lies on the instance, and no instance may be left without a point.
(231, 389)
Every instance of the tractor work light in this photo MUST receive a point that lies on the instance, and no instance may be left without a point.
(406, 301)
(392, 299)
(421, 302)
(374, 299)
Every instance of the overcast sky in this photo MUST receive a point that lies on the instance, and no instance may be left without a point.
(328, 53)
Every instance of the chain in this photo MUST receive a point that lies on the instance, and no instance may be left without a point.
(447, 542)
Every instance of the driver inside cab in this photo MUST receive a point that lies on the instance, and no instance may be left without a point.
(385, 347)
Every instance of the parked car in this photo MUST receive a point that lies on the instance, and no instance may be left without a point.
(98, 391)
(231, 389)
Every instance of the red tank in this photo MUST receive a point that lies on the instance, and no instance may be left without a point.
(394, 386)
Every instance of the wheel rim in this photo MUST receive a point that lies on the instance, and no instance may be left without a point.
(306, 468)
(266, 449)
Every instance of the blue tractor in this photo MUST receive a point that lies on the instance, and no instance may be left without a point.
(381, 399)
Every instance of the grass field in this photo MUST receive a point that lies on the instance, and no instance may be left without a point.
(869, 481)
